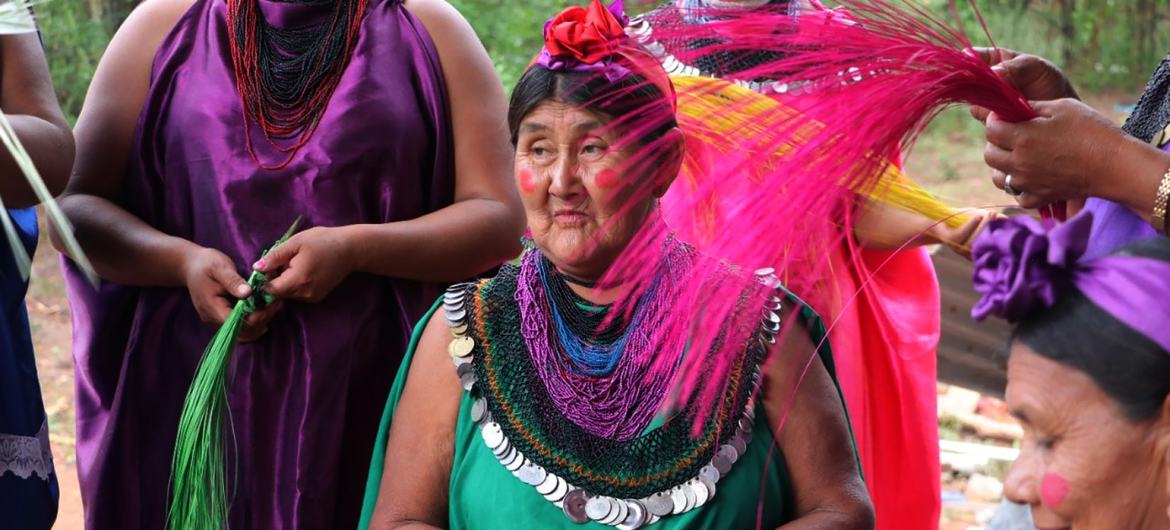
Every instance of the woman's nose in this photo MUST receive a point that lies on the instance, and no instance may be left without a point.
(1021, 484)
(566, 180)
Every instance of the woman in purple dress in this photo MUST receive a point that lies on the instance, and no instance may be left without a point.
(210, 125)
(1073, 153)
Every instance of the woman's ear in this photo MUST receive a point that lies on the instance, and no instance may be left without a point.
(674, 151)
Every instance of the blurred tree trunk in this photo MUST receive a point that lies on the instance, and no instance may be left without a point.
(1068, 29)
(113, 10)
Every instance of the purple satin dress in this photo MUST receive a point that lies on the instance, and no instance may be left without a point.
(307, 397)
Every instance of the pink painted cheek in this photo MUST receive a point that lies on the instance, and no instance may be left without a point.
(527, 182)
(607, 178)
(1053, 490)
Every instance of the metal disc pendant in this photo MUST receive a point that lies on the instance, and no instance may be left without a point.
(679, 500)
(574, 506)
(493, 435)
(461, 347)
(636, 517)
(619, 512)
(710, 473)
(515, 465)
(558, 494)
(721, 463)
(548, 486)
(730, 452)
(532, 474)
(660, 504)
(689, 495)
(710, 487)
(738, 443)
(468, 381)
(479, 410)
(598, 508)
(702, 495)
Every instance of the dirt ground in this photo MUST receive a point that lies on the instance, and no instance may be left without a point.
(947, 160)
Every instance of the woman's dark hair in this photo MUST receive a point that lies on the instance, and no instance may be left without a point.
(1127, 365)
(631, 100)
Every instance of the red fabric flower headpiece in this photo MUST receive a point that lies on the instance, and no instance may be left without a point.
(593, 39)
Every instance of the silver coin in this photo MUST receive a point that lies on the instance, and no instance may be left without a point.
(689, 495)
(459, 361)
(652, 519)
(493, 435)
(771, 327)
(768, 338)
(660, 504)
(598, 508)
(710, 473)
(619, 513)
(454, 295)
(574, 506)
(549, 484)
(468, 381)
(515, 465)
(710, 485)
(739, 445)
(766, 271)
(730, 452)
(721, 463)
(502, 449)
(636, 516)
(456, 287)
(456, 315)
(774, 304)
(750, 412)
(679, 500)
(747, 437)
(462, 369)
(559, 493)
(532, 474)
(479, 410)
(745, 425)
(700, 490)
(510, 456)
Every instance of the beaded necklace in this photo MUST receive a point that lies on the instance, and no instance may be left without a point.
(286, 76)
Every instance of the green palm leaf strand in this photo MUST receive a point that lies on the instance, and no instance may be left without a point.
(199, 491)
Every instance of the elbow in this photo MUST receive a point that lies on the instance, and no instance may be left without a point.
(509, 223)
(57, 173)
(68, 205)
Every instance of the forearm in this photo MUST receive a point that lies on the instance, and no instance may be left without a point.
(455, 243)
(123, 248)
(50, 146)
(830, 520)
(884, 226)
(1133, 179)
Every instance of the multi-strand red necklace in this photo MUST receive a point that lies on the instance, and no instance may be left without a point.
(286, 76)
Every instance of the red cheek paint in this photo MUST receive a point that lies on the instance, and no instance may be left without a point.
(607, 178)
(1053, 489)
(527, 183)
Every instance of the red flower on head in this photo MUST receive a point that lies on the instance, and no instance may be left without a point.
(586, 35)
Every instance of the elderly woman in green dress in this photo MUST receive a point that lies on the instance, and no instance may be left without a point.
(526, 397)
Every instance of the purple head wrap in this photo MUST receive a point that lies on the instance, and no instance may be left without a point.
(1024, 265)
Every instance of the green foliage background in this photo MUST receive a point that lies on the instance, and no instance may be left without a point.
(1103, 44)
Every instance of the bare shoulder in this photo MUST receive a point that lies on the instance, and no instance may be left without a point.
(441, 19)
(157, 16)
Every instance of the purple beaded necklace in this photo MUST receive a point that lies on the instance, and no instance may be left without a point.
(619, 405)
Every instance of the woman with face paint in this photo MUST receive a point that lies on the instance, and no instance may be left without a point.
(1088, 372)
(553, 413)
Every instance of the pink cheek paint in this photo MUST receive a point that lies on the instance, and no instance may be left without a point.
(607, 178)
(1053, 490)
(527, 182)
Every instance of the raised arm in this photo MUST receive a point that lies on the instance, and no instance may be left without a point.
(28, 100)
(479, 231)
(422, 439)
(814, 438)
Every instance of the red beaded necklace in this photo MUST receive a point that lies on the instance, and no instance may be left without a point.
(286, 77)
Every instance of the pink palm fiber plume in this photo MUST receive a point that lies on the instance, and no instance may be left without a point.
(778, 190)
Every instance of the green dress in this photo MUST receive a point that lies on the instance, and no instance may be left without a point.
(483, 494)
